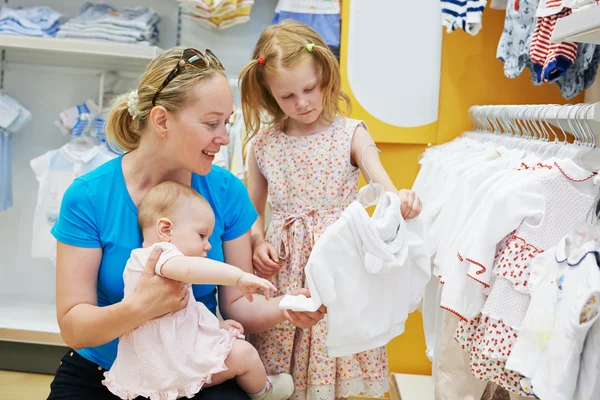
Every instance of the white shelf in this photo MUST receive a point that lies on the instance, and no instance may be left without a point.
(29, 323)
(77, 53)
(582, 26)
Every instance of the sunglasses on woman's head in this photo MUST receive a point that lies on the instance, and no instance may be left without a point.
(193, 57)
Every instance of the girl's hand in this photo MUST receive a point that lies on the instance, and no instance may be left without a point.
(305, 320)
(410, 204)
(250, 284)
(155, 295)
(265, 259)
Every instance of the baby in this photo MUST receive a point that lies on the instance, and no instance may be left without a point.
(180, 353)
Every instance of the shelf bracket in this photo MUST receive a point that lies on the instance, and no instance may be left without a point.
(178, 38)
(2, 62)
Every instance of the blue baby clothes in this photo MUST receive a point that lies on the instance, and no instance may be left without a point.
(13, 117)
(463, 14)
(515, 41)
(33, 21)
(321, 15)
(132, 25)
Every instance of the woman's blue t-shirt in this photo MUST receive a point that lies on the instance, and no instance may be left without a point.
(98, 212)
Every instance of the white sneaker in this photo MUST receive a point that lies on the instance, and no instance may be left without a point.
(283, 387)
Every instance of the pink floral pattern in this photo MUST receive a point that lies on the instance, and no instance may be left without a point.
(311, 181)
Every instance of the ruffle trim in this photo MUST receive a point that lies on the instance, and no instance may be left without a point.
(488, 336)
(188, 391)
(343, 388)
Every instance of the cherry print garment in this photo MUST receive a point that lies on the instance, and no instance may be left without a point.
(568, 193)
(311, 181)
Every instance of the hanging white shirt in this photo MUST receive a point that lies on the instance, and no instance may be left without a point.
(552, 338)
(369, 272)
(55, 170)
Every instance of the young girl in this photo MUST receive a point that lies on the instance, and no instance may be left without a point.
(306, 158)
(176, 355)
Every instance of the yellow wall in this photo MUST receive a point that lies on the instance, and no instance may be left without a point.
(470, 75)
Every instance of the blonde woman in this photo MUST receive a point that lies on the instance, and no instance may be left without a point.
(170, 127)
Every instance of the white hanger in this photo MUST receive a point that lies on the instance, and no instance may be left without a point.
(376, 190)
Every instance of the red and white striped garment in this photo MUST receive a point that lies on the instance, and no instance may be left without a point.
(550, 60)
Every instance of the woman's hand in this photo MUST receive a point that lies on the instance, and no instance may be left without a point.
(265, 259)
(305, 320)
(410, 204)
(156, 296)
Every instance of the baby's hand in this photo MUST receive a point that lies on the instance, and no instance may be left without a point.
(410, 204)
(250, 284)
(231, 324)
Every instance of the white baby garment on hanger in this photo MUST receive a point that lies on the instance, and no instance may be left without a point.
(55, 170)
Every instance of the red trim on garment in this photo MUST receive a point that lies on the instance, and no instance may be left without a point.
(516, 5)
(482, 270)
(571, 179)
(478, 281)
(455, 313)
(459, 257)
(540, 165)
(530, 245)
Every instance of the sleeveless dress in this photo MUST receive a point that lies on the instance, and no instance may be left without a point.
(311, 181)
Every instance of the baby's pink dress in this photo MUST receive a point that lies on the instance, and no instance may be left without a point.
(172, 356)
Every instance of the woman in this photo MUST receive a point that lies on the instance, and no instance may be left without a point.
(171, 128)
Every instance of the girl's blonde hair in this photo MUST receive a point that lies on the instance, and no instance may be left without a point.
(124, 131)
(282, 46)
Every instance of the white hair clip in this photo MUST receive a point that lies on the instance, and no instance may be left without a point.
(132, 104)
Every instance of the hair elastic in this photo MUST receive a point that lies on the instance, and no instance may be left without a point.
(261, 61)
(310, 47)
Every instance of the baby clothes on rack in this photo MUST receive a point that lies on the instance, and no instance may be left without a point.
(32, 21)
(55, 170)
(133, 25)
(85, 119)
(550, 60)
(565, 192)
(547, 62)
(321, 15)
(565, 290)
(515, 41)
(13, 117)
(217, 14)
(463, 14)
(487, 216)
(582, 73)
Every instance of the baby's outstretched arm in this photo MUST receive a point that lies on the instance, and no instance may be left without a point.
(200, 270)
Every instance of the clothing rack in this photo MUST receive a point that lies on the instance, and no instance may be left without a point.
(547, 122)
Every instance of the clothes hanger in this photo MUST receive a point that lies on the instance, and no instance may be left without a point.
(590, 159)
(86, 141)
(369, 194)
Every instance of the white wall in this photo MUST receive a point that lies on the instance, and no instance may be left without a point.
(46, 91)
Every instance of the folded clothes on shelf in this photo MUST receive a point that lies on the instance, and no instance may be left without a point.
(32, 21)
(133, 25)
